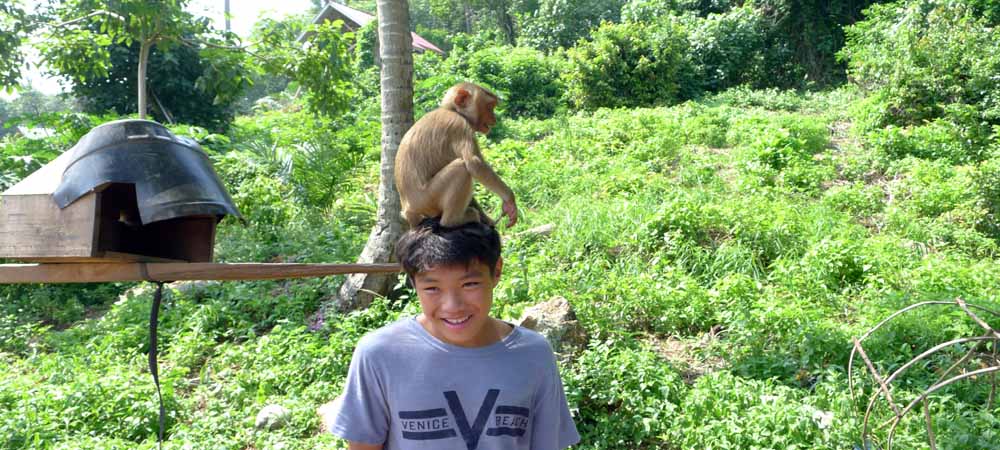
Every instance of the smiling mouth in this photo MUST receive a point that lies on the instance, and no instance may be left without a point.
(459, 321)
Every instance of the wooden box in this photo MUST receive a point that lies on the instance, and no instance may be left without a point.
(101, 226)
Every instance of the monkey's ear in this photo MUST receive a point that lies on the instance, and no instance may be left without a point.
(462, 97)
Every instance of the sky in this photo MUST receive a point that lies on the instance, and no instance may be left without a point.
(243, 14)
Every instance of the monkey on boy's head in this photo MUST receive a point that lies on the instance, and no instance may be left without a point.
(439, 158)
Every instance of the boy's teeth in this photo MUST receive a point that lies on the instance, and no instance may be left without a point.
(457, 321)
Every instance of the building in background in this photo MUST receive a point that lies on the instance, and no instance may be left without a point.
(355, 19)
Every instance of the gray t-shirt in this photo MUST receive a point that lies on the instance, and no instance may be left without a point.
(408, 390)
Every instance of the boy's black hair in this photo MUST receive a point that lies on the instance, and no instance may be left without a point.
(430, 245)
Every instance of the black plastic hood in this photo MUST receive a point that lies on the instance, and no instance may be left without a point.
(173, 176)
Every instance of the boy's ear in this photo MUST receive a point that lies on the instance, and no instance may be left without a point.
(499, 270)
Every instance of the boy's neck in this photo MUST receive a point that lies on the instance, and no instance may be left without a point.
(494, 331)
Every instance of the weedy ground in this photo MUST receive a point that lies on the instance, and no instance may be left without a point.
(721, 255)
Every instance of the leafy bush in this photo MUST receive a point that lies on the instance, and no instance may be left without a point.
(940, 206)
(921, 58)
(728, 50)
(427, 93)
(309, 154)
(829, 268)
(628, 65)
(780, 153)
(624, 397)
(365, 46)
(104, 400)
(771, 99)
(635, 11)
(18, 337)
(857, 199)
(662, 299)
(725, 411)
(525, 79)
(561, 23)
(939, 139)
(987, 184)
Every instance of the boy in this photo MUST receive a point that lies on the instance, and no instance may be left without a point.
(453, 377)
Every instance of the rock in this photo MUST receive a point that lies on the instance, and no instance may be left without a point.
(539, 231)
(555, 320)
(272, 417)
(327, 412)
(193, 289)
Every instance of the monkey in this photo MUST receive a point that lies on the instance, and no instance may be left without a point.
(438, 159)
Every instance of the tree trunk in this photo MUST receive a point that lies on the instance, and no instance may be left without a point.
(506, 22)
(467, 9)
(396, 53)
(141, 81)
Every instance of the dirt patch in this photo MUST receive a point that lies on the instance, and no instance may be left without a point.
(840, 135)
(690, 355)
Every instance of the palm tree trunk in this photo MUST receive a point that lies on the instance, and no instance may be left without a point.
(396, 53)
(141, 81)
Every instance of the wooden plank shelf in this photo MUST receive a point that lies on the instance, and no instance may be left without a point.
(132, 271)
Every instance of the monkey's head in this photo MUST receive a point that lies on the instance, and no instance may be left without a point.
(473, 103)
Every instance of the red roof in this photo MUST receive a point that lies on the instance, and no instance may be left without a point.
(355, 19)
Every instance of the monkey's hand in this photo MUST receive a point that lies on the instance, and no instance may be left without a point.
(510, 210)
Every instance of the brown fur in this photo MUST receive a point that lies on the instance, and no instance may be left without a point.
(439, 158)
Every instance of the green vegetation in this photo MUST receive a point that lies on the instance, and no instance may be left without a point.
(721, 239)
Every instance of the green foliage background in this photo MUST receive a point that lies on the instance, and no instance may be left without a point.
(722, 238)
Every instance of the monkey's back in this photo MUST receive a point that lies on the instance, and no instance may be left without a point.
(427, 147)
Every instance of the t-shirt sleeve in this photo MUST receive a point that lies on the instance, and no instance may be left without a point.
(552, 426)
(362, 412)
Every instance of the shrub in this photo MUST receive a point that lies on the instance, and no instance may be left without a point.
(526, 80)
(55, 304)
(987, 183)
(628, 65)
(561, 23)
(830, 267)
(920, 57)
(940, 206)
(623, 397)
(660, 299)
(96, 399)
(728, 50)
(932, 188)
(783, 155)
(771, 99)
(939, 139)
(635, 11)
(857, 199)
(365, 46)
(726, 411)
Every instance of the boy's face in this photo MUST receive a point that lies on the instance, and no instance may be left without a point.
(456, 301)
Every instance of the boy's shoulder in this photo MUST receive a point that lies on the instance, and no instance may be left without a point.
(388, 336)
(532, 340)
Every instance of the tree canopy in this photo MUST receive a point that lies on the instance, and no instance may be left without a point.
(13, 29)
(92, 43)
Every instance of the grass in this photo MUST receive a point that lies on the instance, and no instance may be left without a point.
(754, 222)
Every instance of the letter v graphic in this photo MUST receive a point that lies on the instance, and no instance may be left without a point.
(471, 434)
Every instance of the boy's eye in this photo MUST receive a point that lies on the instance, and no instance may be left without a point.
(471, 284)
(430, 289)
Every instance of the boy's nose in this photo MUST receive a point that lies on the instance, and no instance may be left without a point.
(451, 302)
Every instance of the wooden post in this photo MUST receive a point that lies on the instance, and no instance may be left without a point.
(108, 272)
